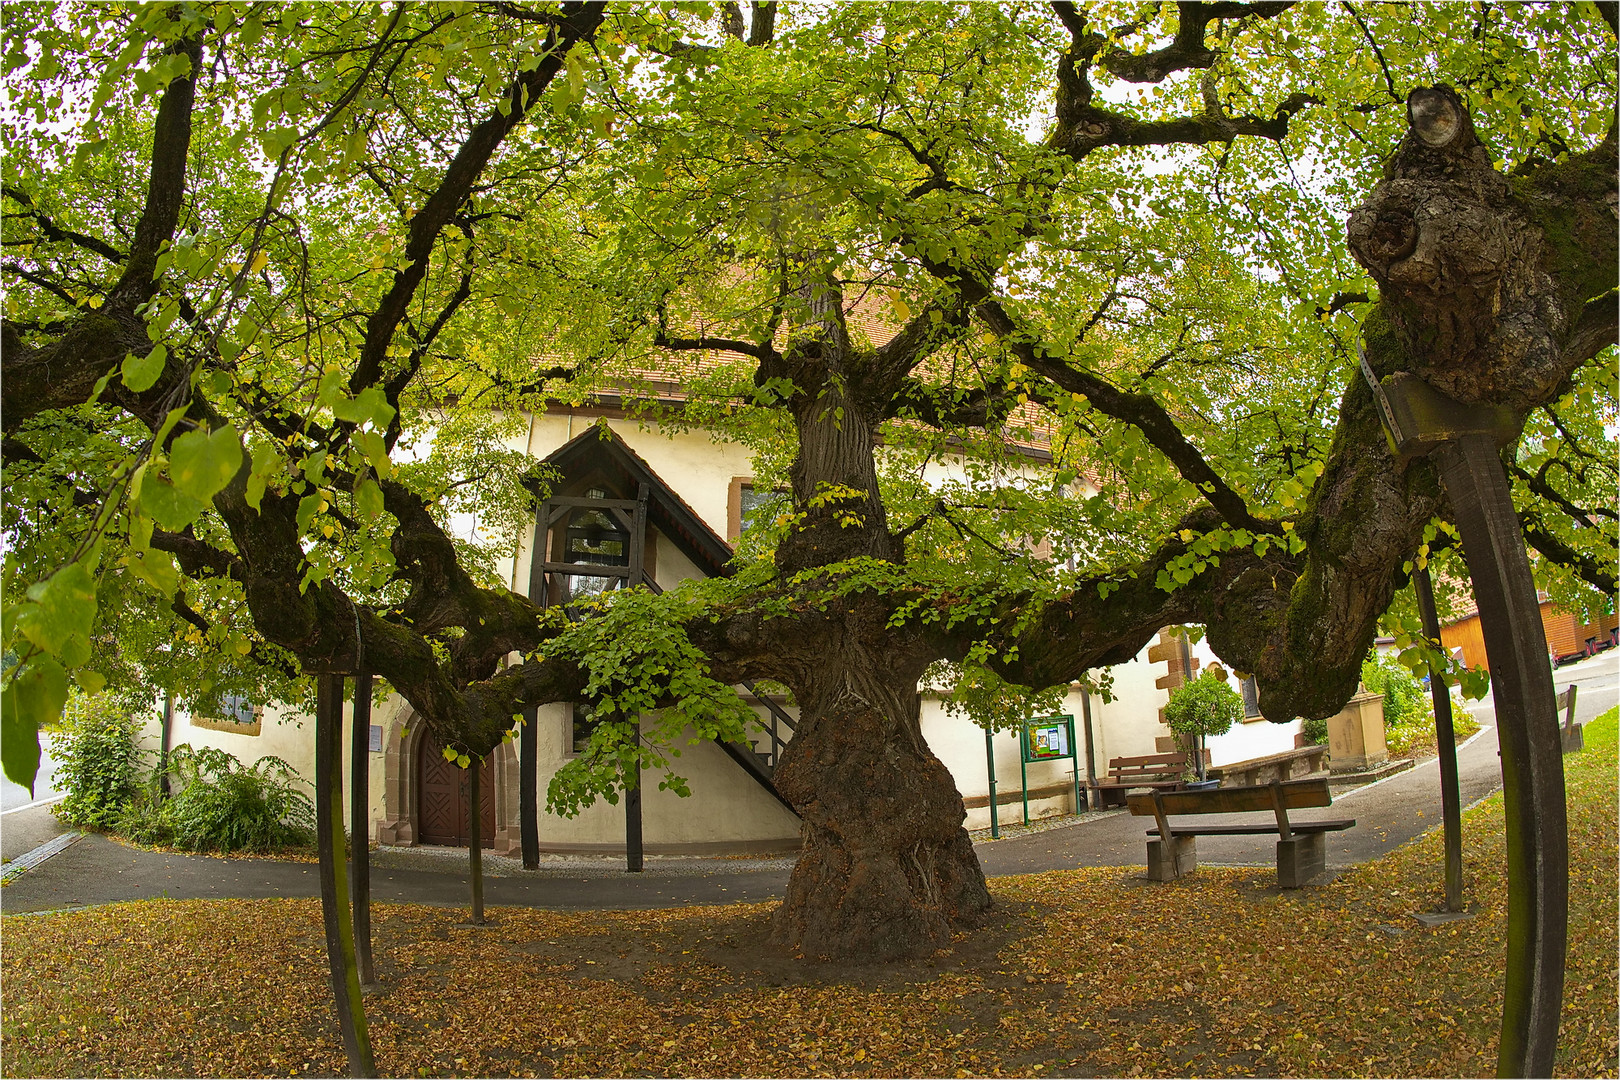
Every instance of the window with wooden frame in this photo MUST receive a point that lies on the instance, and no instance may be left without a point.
(236, 713)
(746, 500)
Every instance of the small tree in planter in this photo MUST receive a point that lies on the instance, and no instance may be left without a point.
(1206, 706)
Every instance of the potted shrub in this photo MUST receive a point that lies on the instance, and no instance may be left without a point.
(1204, 707)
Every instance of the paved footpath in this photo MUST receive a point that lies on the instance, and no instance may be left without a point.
(94, 870)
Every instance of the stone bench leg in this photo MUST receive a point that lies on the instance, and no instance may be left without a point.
(1167, 862)
(1300, 858)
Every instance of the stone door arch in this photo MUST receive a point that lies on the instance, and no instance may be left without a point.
(403, 760)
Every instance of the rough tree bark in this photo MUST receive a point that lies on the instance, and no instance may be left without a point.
(887, 869)
(1495, 286)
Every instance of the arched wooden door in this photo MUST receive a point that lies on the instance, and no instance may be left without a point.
(443, 813)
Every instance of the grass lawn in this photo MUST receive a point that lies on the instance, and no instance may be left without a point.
(1083, 973)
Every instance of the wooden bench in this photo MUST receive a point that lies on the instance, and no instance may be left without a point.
(1157, 771)
(1301, 849)
(1570, 734)
(1293, 764)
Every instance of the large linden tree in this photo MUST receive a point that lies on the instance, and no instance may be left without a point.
(279, 276)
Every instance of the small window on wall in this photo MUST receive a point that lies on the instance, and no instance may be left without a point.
(1251, 697)
(752, 499)
(751, 504)
(585, 724)
(235, 713)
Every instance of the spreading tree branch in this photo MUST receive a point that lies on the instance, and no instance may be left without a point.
(702, 342)
(924, 332)
(941, 408)
(1187, 50)
(1538, 483)
(731, 19)
(64, 371)
(55, 233)
(1590, 570)
(1383, 64)
(43, 282)
(166, 182)
(762, 29)
(576, 22)
(1139, 410)
(1082, 126)
(197, 558)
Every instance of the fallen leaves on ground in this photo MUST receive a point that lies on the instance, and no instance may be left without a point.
(1081, 972)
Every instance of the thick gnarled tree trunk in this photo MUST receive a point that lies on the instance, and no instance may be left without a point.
(887, 870)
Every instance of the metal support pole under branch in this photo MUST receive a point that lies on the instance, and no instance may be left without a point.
(1445, 745)
(1465, 443)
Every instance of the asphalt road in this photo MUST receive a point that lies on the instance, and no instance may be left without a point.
(13, 795)
(95, 870)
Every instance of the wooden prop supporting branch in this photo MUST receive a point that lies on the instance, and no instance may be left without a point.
(1532, 756)
(360, 825)
(1445, 746)
(633, 852)
(351, 1013)
(529, 789)
(1464, 441)
(475, 843)
(163, 744)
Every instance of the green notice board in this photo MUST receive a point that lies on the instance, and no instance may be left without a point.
(1048, 737)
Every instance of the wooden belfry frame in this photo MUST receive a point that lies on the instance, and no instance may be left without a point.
(631, 515)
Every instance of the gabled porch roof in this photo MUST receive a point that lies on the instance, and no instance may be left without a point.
(600, 449)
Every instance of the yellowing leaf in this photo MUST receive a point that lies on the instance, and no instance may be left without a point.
(141, 373)
(202, 463)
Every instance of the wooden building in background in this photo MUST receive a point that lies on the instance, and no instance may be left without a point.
(1568, 635)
